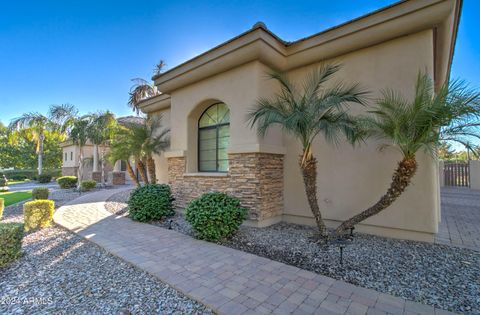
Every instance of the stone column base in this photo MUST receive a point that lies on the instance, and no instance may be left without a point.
(118, 178)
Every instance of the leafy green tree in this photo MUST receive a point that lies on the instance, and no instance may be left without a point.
(413, 125)
(32, 126)
(307, 110)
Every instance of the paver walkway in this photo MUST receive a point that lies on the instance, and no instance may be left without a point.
(460, 224)
(227, 280)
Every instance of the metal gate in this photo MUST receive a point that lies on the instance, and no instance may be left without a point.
(457, 174)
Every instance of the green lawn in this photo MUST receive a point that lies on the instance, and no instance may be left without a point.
(18, 182)
(16, 196)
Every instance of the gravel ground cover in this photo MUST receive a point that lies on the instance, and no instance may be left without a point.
(61, 273)
(439, 275)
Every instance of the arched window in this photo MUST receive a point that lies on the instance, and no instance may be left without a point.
(213, 139)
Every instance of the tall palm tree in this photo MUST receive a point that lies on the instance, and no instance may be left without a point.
(35, 126)
(100, 131)
(306, 111)
(141, 90)
(412, 125)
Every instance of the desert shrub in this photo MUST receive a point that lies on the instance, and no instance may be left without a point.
(40, 193)
(44, 178)
(151, 202)
(11, 235)
(38, 214)
(215, 215)
(2, 206)
(87, 185)
(67, 182)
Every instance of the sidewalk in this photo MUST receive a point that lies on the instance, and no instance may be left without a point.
(226, 280)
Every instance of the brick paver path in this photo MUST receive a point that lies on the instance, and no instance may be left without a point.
(227, 280)
(460, 225)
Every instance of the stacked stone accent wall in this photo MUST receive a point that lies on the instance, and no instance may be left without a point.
(255, 178)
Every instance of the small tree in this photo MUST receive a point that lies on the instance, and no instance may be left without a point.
(33, 126)
(121, 150)
(100, 131)
(417, 124)
(306, 112)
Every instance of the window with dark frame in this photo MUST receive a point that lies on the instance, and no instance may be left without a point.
(214, 138)
(65, 156)
(71, 156)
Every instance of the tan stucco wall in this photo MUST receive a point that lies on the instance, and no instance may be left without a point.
(161, 163)
(349, 180)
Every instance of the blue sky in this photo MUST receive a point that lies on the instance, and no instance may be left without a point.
(86, 52)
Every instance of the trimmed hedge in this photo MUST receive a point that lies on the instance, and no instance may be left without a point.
(67, 182)
(29, 174)
(151, 202)
(40, 193)
(11, 235)
(44, 178)
(38, 214)
(2, 206)
(87, 185)
(215, 215)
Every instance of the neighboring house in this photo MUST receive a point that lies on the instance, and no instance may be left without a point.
(205, 102)
(92, 164)
(71, 160)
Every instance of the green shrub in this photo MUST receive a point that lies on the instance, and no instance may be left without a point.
(87, 185)
(40, 193)
(19, 174)
(44, 178)
(2, 206)
(38, 214)
(151, 202)
(215, 215)
(11, 235)
(67, 182)
(3, 182)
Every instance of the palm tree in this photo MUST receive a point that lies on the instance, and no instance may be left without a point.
(140, 90)
(100, 131)
(121, 149)
(153, 139)
(159, 67)
(307, 111)
(413, 125)
(34, 125)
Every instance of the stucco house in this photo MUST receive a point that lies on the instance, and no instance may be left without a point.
(205, 101)
(92, 154)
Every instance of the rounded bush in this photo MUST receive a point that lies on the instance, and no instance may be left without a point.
(11, 235)
(38, 214)
(44, 178)
(151, 202)
(87, 185)
(67, 182)
(215, 215)
(40, 193)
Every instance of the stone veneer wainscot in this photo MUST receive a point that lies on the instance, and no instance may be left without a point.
(255, 178)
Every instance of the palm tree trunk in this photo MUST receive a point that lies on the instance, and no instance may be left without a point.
(151, 169)
(80, 168)
(40, 154)
(143, 172)
(309, 172)
(132, 173)
(401, 179)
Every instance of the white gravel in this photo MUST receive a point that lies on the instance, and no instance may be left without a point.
(61, 273)
(443, 276)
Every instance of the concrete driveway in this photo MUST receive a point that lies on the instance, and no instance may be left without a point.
(460, 225)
